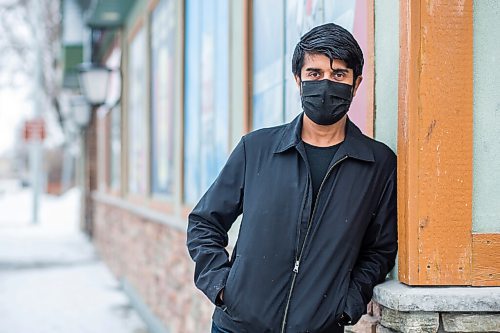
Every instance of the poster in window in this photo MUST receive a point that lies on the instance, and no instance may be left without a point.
(137, 115)
(115, 149)
(206, 133)
(163, 35)
(113, 102)
(268, 70)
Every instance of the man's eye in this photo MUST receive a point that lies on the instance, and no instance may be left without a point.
(339, 75)
(314, 74)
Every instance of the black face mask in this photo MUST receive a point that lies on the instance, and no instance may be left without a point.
(325, 102)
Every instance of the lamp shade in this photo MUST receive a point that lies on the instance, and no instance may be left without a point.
(94, 83)
(80, 111)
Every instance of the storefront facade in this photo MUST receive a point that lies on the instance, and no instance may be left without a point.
(197, 75)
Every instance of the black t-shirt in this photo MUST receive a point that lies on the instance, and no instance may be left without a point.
(319, 159)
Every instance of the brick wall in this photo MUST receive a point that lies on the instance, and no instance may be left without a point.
(154, 260)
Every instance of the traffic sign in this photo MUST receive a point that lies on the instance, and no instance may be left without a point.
(34, 130)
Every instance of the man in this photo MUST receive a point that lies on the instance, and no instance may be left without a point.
(318, 199)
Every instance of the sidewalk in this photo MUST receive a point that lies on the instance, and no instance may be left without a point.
(51, 279)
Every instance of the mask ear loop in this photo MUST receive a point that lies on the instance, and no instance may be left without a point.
(353, 85)
(301, 93)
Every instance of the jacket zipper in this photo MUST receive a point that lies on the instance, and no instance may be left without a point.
(299, 257)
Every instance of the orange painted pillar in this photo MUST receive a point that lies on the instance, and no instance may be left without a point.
(435, 142)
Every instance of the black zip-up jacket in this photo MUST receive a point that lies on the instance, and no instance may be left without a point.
(271, 285)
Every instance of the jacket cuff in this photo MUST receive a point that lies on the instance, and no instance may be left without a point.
(355, 307)
(218, 283)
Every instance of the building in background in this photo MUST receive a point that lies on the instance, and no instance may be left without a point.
(197, 75)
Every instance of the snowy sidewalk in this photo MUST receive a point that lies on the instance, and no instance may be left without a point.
(51, 279)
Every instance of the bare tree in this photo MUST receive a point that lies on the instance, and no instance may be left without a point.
(18, 48)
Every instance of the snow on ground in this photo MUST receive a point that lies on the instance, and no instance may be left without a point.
(51, 279)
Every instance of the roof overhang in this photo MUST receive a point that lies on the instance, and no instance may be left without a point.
(108, 13)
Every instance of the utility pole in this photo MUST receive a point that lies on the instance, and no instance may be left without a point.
(36, 143)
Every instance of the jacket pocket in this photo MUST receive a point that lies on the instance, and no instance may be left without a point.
(343, 299)
(229, 292)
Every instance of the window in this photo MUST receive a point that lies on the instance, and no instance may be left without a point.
(113, 121)
(137, 144)
(206, 118)
(115, 148)
(268, 66)
(163, 37)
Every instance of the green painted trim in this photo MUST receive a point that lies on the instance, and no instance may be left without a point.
(72, 56)
(386, 71)
(486, 152)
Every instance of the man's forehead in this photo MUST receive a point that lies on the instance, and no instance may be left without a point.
(320, 60)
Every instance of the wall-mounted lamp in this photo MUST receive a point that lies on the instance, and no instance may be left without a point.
(80, 111)
(94, 81)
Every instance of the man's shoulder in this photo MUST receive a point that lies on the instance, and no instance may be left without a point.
(382, 152)
(268, 136)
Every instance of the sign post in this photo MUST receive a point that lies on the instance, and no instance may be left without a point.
(34, 133)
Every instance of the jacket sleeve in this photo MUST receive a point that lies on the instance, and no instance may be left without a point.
(210, 221)
(377, 254)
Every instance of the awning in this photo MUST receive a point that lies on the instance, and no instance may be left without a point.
(108, 13)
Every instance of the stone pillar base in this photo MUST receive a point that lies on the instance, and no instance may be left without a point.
(400, 308)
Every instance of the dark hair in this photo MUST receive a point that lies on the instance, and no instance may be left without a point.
(334, 42)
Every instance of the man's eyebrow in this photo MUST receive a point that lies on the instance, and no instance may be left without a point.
(312, 69)
(340, 70)
(335, 70)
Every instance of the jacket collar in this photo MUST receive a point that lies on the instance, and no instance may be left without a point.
(355, 144)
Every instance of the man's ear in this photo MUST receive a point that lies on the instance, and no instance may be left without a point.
(356, 85)
(297, 80)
